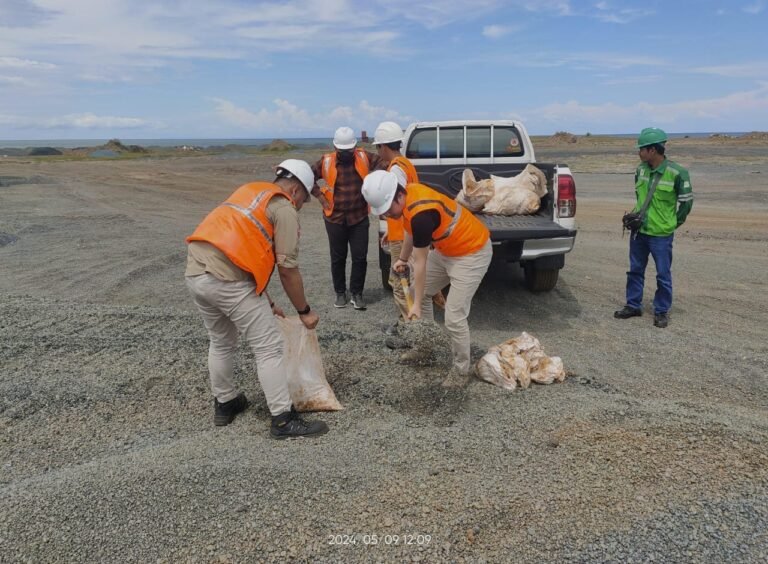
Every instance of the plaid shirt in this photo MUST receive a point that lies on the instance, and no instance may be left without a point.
(349, 206)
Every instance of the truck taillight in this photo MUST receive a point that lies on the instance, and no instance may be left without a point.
(566, 196)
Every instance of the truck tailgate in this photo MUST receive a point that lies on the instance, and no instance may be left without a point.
(521, 227)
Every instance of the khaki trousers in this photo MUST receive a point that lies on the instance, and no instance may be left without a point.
(229, 308)
(394, 280)
(464, 274)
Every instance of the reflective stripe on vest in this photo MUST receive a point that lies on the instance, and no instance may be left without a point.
(455, 215)
(459, 233)
(247, 213)
(240, 228)
(395, 229)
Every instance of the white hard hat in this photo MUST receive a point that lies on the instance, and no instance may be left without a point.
(379, 190)
(344, 138)
(387, 132)
(301, 170)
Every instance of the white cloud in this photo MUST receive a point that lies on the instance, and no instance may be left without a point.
(287, 118)
(588, 61)
(74, 121)
(607, 13)
(496, 31)
(729, 109)
(754, 8)
(558, 7)
(14, 80)
(433, 14)
(21, 13)
(16, 63)
(642, 79)
(756, 69)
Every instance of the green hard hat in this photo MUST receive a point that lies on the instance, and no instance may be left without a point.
(651, 135)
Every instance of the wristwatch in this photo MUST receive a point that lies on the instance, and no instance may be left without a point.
(304, 311)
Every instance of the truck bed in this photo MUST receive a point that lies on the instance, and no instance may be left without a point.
(447, 179)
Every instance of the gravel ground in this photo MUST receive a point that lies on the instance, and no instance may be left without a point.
(655, 448)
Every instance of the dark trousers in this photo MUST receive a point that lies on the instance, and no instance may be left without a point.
(341, 236)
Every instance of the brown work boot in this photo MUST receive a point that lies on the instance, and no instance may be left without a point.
(456, 380)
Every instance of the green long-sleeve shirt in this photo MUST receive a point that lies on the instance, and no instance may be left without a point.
(672, 201)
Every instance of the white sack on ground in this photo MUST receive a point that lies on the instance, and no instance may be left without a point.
(474, 194)
(307, 385)
(517, 362)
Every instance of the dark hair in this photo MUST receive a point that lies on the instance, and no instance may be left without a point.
(282, 173)
(395, 145)
(658, 147)
(400, 190)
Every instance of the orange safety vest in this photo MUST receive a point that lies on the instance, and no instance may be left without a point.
(459, 234)
(395, 231)
(240, 229)
(362, 167)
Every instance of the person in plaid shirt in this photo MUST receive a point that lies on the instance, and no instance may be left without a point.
(346, 212)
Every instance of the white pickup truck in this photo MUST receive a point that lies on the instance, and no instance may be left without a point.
(441, 151)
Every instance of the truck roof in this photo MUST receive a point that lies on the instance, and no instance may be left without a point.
(463, 122)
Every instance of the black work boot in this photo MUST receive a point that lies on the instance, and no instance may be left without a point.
(224, 413)
(290, 425)
(626, 312)
(661, 320)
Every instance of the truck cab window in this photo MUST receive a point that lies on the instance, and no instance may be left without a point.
(507, 142)
(422, 144)
(478, 142)
(451, 142)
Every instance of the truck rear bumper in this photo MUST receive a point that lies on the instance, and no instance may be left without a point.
(532, 249)
(535, 248)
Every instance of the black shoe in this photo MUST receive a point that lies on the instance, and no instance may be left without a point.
(661, 320)
(341, 300)
(358, 302)
(626, 312)
(224, 413)
(290, 425)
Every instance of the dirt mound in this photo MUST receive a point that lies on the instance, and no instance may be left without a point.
(116, 146)
(721, 137)
(564, 137)
(755, 135)
(278, 145)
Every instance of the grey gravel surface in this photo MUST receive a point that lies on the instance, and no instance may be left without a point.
(655, 448)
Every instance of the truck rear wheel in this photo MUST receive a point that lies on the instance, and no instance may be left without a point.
(540, 279)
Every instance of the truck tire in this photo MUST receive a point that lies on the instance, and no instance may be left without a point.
(540, 279)
(385, 264)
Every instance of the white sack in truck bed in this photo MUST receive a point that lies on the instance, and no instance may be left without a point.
(497, 195)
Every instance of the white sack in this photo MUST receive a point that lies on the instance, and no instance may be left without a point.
(307, 385)
(517, 195)
(474, 194)
(517, 362)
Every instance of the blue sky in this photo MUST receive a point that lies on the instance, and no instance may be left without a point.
(72, 69)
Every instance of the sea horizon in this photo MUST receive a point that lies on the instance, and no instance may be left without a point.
(299, 141)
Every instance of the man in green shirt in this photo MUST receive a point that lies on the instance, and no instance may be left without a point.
(670, 204)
